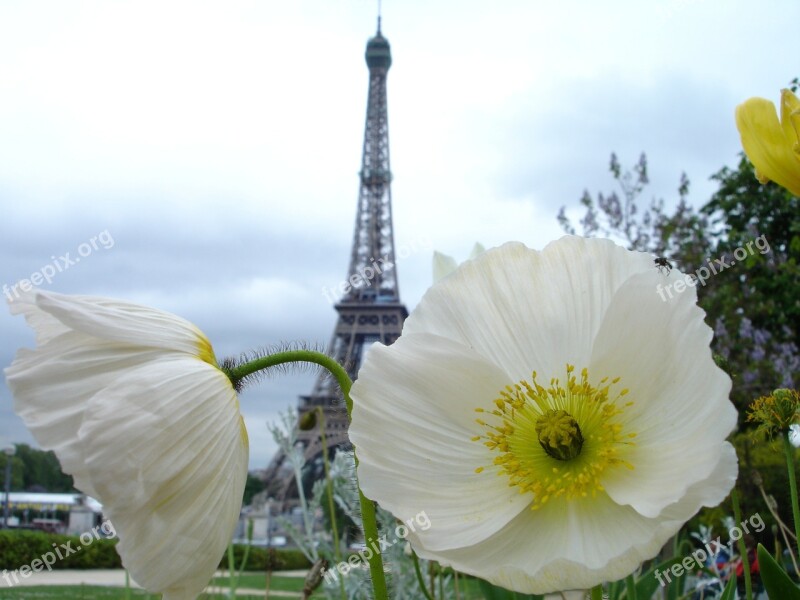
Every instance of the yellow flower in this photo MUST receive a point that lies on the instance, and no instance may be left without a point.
(555, 419)
(772, 145)
(133, 403)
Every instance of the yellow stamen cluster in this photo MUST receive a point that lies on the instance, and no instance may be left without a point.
(557, 442)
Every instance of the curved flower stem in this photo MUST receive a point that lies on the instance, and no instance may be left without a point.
(368, 518)
(737, 514)
(420, 578)
(789, 449)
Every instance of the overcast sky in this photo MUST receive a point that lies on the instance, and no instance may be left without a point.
(215, 146)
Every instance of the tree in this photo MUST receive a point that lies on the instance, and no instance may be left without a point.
(760, 307)
(36, 469)
(17, 468)
(646, 229)
(252, 486)
(747, 227)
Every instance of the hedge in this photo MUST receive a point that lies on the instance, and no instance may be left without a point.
(21, 547)
(259, 559)
(18, 548)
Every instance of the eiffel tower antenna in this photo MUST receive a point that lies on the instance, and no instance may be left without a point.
(370, 309)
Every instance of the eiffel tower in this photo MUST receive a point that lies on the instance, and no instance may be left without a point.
(370, 309)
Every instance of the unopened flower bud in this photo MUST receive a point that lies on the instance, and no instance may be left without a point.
(308, 421)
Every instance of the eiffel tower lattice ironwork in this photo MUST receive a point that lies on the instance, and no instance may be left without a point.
(370, 309)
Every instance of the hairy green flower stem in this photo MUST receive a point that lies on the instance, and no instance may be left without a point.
(337, 551)
(236, 374)
(789, 449)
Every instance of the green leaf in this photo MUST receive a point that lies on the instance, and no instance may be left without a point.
(729, 593)
(648, 583)
(776, 581)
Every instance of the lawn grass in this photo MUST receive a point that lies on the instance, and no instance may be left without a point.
(72, 592)
(93, 592)
(258, 581)
(467, 587)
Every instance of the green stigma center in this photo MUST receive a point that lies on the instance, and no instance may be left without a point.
(559, 434)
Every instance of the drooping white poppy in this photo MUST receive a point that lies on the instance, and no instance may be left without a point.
(133, 403)
(600, 426)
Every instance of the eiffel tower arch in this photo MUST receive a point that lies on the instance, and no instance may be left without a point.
(370, 309)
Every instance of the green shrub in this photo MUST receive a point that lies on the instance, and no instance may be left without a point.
(21, 547)
(259, 559)
(292, 560)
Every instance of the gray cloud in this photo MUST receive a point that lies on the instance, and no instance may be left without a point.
(220, 145)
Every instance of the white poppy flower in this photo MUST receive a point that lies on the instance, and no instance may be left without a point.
(601, 418)
(133, 403)
(794, 435)
(443, 264)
